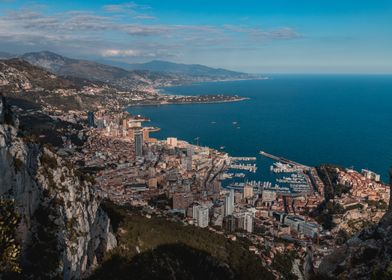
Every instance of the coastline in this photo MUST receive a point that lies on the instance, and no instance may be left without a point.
(188, 103)
(161, 89)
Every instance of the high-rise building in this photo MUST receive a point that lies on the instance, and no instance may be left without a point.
(229, 223)
(248, 191)
(244, 221)
(201, 216)
(90, 119)
(229, 203)
(138, 138)
(248, 222)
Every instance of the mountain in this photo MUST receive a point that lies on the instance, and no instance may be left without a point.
(6, 55)
(152, 74)
(51, 223)
(94, 71)
(193, 70)
(17, 74)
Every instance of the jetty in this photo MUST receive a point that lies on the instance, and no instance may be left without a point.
(284, 160)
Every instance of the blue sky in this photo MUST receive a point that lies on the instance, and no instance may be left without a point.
(284, 36)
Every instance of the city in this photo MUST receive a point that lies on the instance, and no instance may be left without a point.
(195, 140)
(132, 168)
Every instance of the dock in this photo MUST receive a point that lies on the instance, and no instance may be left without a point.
(284, 160)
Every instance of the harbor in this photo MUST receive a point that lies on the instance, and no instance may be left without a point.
(286, 177)
(284, 160)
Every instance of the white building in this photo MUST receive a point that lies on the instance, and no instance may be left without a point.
(248, 222)
(244, 220)
(201, 216)
(172, 141)
(371, 175)
(229, 203)
(248, 191)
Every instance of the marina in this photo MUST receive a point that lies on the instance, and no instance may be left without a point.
(284, 160)
(243, 166)
(279, 167)
(243, 159)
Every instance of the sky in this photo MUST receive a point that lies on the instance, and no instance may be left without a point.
(256, 36)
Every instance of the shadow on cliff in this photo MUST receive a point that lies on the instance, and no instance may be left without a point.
(169, 261)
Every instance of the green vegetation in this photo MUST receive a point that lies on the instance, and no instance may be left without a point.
(381, 204)
(167, 244)
(328, 174)
(43, 253)
(324, 213)
(283, 262)
(9, 248)
(49, 161)
(382, 274)
(359, 224)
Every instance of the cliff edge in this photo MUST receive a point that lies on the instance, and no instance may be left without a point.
(61, 231)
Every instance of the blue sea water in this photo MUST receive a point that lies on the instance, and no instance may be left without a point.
(311, 119)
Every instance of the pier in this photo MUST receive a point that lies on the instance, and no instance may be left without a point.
(284, 160)
(243, 158)
(247, 167)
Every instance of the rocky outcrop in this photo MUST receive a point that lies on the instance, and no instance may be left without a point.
(2, 109)
(62, 229)
(19, 75)
(367, 255)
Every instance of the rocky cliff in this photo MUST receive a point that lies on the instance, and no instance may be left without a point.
(367, 255)
(19, 75)
(62, 231)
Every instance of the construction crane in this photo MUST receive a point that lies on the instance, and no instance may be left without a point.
(197, 140)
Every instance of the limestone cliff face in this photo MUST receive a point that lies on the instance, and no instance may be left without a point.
(63, 230)
(367, 255)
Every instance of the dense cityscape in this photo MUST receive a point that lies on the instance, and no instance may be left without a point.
(195, 140)
(188, 183)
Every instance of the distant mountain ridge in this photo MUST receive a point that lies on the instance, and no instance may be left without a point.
(93, 71)
(186, 69)
(156, 73)
(17, 74)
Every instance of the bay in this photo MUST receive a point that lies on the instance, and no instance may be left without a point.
(311, 119)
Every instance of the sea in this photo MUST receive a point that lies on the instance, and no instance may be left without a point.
(311, 119)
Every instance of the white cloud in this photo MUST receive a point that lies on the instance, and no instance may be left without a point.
(114, 53)
(144, 17)
(130, 7)
(94, 34)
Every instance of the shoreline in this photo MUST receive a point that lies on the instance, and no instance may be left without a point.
(188, 103)
(161, 89)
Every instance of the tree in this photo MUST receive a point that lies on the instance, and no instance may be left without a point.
(9, 248)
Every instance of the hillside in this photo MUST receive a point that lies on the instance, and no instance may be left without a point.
(170, 250)
(188, 69)
(17, 74)
(63, 66)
